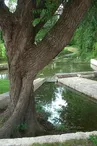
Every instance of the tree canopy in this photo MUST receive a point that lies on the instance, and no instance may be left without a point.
(85, 36)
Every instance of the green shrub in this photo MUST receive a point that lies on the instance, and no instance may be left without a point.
(2, 51)
(93, 139)
(85, 37)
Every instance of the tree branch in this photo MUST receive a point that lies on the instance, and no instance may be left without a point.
(24, 9)
(42, 23)
(4, 14)
(24, 16)
(6, 22)
(60, 34)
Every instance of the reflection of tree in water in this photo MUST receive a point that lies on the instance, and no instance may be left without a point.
(50, 100)
(45, 93)
(44, 96)
(80, 113)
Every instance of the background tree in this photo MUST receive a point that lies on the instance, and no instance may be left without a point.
(85, 37)
(26, 59)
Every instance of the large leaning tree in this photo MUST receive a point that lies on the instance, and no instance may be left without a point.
(26, 59)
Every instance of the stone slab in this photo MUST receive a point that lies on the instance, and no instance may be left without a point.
(4, 66)
(51, 79)
(83, 85)
(4, 98)
(75, 74)
(93, 61)
(46, 139)
(94, 67)
(38, 82)
(93, 64)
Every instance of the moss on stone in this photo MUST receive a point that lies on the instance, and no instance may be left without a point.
(68, 143)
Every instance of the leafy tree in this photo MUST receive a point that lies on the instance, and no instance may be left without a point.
(85, 37)
(2, 51)
(2, 48)
(26, 59)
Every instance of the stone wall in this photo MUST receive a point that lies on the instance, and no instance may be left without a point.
(46, 139)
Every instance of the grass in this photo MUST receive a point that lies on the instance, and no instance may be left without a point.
(69, 143)
(4, 85)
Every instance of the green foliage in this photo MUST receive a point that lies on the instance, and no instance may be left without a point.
(36, 21)
(1, 36)
(93, 139)
(22, 127)
(2, 48)
(85, 37)
(47, 11)
(46, 15)
(46, 28)
(61, 128)
(2, 51)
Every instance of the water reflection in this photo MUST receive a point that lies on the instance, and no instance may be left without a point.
(74, 111)
(55, 106)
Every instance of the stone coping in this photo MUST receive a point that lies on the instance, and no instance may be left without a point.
(93, 64)
(46, 139)
(93, 61)
(76, 74)
(83, 85)
(4, 66)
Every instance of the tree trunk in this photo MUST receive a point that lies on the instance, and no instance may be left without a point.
(25, 59)
(33, 127)
(23, 113)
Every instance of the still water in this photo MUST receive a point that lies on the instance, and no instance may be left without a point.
(58, 66)
(67, 109)
(64, 66)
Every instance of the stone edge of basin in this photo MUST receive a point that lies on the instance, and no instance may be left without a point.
(93, 64)
(4, 98)
(93, 61)
(46, 139)
(4, 66)
(77, 74)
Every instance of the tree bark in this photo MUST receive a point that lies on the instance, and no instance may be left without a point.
(34, 128)
(25, 59)
(25, 104)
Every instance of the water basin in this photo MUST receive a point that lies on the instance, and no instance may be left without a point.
(68, 110)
